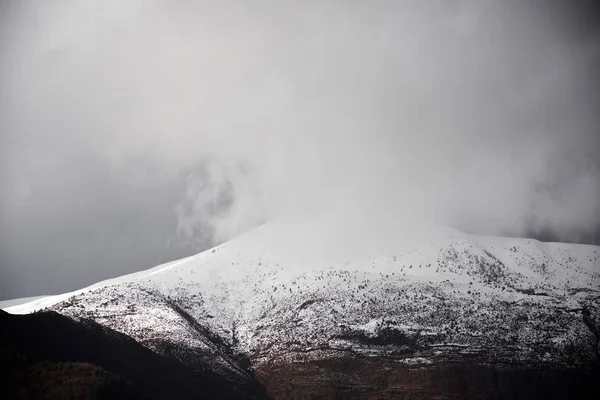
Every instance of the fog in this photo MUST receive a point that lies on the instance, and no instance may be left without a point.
(132, 133)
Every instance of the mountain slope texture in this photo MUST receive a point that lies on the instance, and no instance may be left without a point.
(377, 311)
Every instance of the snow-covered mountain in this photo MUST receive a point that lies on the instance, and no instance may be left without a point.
(16, 302)
(294, 292)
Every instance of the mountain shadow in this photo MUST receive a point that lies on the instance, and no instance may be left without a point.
(46, 355)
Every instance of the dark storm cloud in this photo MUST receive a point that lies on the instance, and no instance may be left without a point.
(132, 132)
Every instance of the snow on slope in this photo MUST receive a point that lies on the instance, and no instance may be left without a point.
(28, 305)
(303, 289)
(16, 302)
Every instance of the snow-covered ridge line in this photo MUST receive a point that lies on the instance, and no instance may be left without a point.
(287, 290)
(301, 246)
(15, 302)
(32, 304)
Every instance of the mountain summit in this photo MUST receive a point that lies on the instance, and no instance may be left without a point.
(314, 311)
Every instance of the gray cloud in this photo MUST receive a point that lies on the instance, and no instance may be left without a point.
(132, 132)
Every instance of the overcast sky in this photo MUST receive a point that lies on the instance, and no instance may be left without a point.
(132, 133)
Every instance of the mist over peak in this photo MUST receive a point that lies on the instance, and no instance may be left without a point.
(134, 132)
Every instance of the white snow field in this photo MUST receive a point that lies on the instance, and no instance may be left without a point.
(297, 288)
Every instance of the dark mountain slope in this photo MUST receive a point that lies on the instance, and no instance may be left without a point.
(48, 355)
(387, 377)
(63, 380)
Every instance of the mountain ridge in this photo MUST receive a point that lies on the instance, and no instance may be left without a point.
(287, 294)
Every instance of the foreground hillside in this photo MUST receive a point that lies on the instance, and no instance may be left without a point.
(49, 356)
(395, 313)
